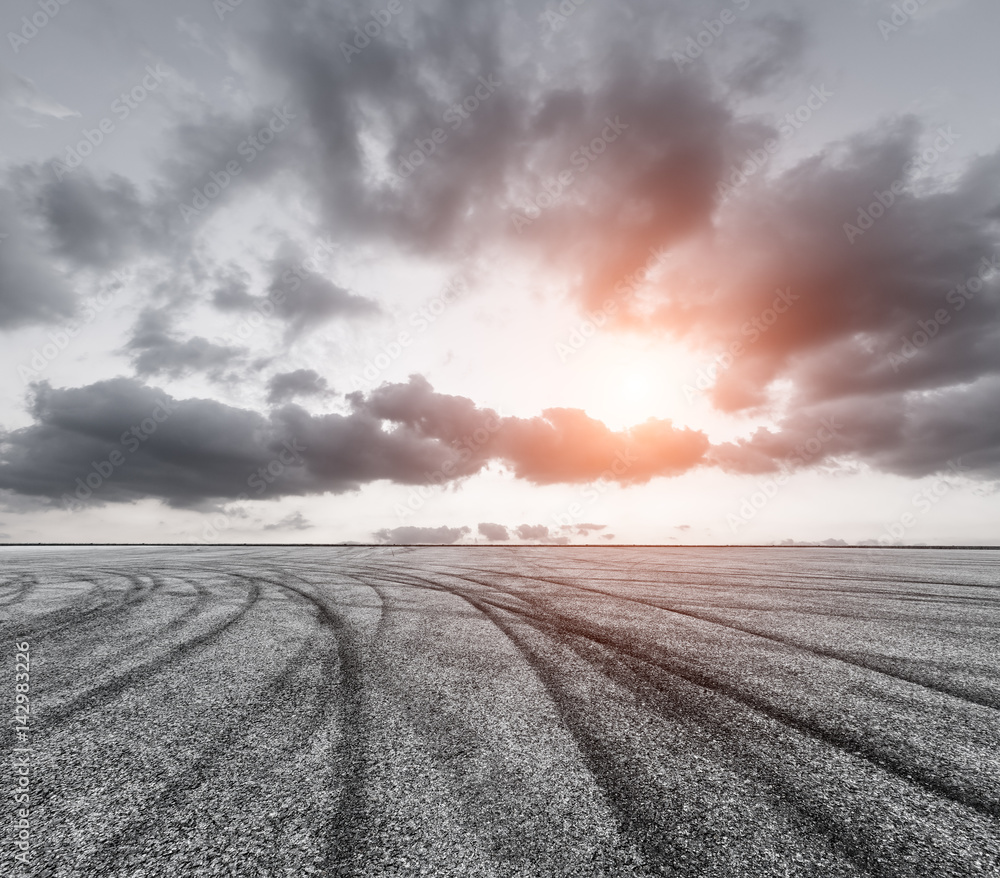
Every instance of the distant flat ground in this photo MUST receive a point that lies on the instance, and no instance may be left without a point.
(505, 712)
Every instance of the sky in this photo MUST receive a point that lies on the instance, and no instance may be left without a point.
(454, 271)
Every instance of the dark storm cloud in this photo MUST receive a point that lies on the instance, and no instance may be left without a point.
(563, 445)
(398, 88)
(954, 432)
(654, 185)
(409, 535)
(880, 331)
(285, 386)
(99, 223)
(505, 131)
(127, 440)
(494, 532)
(353, 119)
(876, 298)
(32, 290)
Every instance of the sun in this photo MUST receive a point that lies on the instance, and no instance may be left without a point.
(623, 382)
(635, 385)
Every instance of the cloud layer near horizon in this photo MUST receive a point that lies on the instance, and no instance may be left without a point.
(121, 440)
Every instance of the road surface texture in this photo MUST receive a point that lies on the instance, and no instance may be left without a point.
(359, 711)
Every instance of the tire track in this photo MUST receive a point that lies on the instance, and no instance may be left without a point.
(178, 792)
(854, 744)
(49, 624)
(24, 584)
(623, 784)
(616, 775)
(857, 848)
(958, 692)
(101, 694)
(201, 596)
(347, 826)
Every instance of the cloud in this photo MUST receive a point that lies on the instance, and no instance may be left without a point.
(305, 300)
(22, 96)
(158, 351)
(439, 536)
(562, 445)
(831, 543)
(893, 330)
(233, 292)
(32, 289)
(286, 386)
(363, 115)
(848, 349)
(776, 47)
(293, 521)
(494, 532)
(566, 445)
(207, 451)
(91, 223)
(539, 533)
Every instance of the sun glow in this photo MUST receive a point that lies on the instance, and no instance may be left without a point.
(635, 386)
(632, 386)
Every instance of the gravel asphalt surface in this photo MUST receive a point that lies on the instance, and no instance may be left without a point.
(493, 711)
